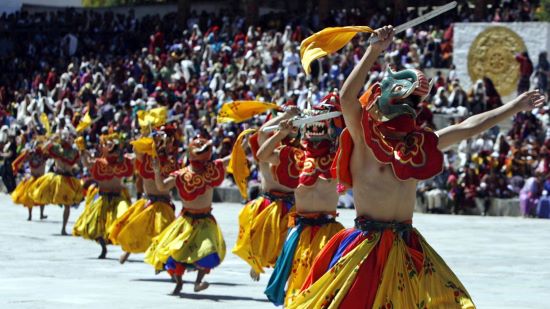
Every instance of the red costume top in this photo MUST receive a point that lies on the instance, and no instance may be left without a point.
(390, 130)
(111, 167)
(145, 167)
(191, 184)
(302, 167)
(64, 153)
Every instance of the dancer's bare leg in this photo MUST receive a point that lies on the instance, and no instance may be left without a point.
(124, 257)
(101, 242)
(66, 213)
(30, 213)
(254, 275)
(179, 284)
(199, 284)
(42, 215)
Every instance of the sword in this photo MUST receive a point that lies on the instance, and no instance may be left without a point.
(301, 121)
(417, 21)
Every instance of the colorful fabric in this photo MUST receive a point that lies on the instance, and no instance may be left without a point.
(263, 225)
(145, 146)
(381, 265)
(192, 184)
(105, 169)
(298, 168)
(84, 123)
(327, 41)
(239, 111)
(100, 212)
(21, 194)
(305, 240)
(144, 220)
(193, 239)
(56, 189)
(238, 164)
(155, 117)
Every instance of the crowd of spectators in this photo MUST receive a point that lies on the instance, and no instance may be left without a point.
(67, 63)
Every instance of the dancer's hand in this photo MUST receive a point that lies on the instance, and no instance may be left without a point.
(285, 126)
(385, 38)
(529, 100)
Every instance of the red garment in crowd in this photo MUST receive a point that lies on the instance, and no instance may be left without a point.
(525, 66)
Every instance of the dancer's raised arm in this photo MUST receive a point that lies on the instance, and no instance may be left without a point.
(351, 108)
(266, 152)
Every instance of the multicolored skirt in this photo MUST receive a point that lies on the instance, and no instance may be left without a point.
(193, 240)
(57, 189)
(22, 193)
(263, 225)
(144, 220)
(309, 233)
(102, 210)
(381, 265)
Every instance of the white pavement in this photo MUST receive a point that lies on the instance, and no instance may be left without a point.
(503, 262)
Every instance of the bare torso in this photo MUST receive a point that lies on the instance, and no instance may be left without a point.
(113, 185)
(149, 187)
(322, 196)
(38, 171)
(377, 193)
(201, 202)
(62, 167)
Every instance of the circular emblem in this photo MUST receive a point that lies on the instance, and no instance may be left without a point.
(492, 54)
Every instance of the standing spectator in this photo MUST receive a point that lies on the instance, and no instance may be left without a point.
(525, 71)
(291, 62)
(543, 71)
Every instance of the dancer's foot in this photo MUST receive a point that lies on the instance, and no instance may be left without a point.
(201, 286)
(64, 233)
(29, 218)
(42, 217)
(124, 257)
(254, 275)
(103, 254)
(179, 285)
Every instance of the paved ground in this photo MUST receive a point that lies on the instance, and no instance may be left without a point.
(503, 262)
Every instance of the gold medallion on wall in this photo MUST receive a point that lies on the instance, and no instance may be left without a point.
(492, 54)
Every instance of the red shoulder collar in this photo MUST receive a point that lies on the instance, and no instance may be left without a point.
(190, 184)
(104, 170)
(414, 156)
(145, 166)
(296, 169)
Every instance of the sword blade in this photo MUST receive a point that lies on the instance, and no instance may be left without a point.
(417, 21)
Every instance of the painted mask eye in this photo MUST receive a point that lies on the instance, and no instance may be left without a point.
(397, 88)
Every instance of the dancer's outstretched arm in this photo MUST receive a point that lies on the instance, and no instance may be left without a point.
(351, 108)
(484, 121)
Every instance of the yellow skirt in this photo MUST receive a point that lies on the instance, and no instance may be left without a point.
(21, 194)
(189, 240)
(377, 267)
(100, 213)
(303, 243)
(263, 225)
(57, 189)
(135, 229)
